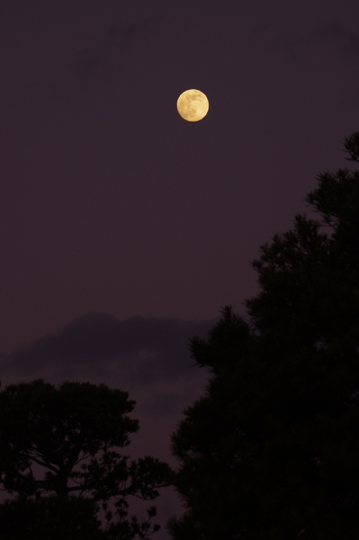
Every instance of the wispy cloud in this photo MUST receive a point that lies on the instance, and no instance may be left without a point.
(140, 350)
(331, 37)
(335, 34)
(99, 58)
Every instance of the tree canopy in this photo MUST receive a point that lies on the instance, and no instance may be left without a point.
(270, 451)
(60, 459)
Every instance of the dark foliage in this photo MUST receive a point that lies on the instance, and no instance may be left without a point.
(271, 451)
(60, 459)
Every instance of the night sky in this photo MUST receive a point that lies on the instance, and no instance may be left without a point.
(123, 228)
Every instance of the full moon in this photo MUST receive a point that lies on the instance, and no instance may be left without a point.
(192, 105)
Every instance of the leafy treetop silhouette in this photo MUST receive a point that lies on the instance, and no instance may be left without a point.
(270, 451)
(59, 449)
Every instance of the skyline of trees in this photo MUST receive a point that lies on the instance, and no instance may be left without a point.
(269, 452)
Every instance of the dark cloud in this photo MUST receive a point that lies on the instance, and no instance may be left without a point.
(329, 31)
(287, 46)
(335, 37)
(332, 38)
(140, 350)
(100, 58)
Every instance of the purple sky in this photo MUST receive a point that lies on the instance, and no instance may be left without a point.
(123, 228)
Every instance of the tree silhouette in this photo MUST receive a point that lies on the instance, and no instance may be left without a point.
(60, 459)
(271, 451)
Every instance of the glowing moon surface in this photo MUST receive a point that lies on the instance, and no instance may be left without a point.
(193, 105)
